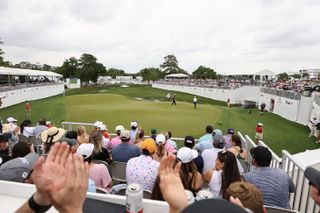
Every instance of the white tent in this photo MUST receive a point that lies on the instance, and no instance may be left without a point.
(26, 72)
(177, 75)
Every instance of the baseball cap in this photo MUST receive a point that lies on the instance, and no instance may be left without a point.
(11, 120)
(119, 128)
(85, 150)
(219, 206)
(186, 155)
(5, 137)
(52, 134)
(313, 176)
(230, 131)
(160, 139)
(102, 127)
(133, 124)
(219, 139)
(217, 132)
(260, 124)
(125, 135)
(148, 144)
(97, 123)
(261, 154)
(188, 141)
(18, 169)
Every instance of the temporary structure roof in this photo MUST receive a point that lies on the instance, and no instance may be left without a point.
(27, 72)
(177, 75)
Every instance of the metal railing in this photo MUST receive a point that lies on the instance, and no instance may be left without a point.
(300, 200)
(281, 93)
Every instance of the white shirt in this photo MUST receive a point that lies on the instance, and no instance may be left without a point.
(28, 131)
(209, 157)
(195, 99)
(215, 183)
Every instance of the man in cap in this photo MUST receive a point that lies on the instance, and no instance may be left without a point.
(10, 126)
(209, 156)
(189, 142)
(153, 133)
(18, 169)
(133, 132)
(116, 140)
(313, 176)
(125, 151)
(274, 183)
(4, 147)
(205, 141)
(143, 169)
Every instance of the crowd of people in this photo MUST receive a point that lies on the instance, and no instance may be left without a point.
(214, 163)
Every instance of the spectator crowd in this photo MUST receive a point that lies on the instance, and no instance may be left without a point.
(216, 162)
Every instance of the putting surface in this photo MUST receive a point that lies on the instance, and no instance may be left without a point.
(117, 109)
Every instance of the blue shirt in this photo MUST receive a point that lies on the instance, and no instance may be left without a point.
(274, 184)
(124, 152)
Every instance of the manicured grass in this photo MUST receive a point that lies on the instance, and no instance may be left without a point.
(116, 105)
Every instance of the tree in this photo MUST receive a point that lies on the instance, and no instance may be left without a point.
(296, 76)
(283, 76)
(2, 61)
(150, 74)
(113, 72)
(89, 68)
(69, 68)
(203, 72)
(170, 65)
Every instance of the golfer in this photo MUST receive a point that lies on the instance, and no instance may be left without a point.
(195, 100)
(174, 100)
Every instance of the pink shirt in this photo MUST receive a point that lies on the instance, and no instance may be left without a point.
(100, 175)
(169, 148)
(114, 142)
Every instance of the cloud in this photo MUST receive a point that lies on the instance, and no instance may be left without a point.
(229, 36)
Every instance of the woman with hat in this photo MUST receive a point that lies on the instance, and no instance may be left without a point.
(50, 136)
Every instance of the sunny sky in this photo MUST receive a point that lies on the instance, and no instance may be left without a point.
(230, 36)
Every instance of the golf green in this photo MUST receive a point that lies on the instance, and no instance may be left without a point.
(117, 109)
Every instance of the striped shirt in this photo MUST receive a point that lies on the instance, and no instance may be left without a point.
(274, 184)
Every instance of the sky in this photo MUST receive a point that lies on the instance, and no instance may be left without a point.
(229, 36)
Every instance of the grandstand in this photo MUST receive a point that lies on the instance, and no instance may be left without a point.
(298, 108)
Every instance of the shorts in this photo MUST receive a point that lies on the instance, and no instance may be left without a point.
(259, 135)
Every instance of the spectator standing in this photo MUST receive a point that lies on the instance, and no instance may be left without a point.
(125, 151)
(143, 169)
(274, 183)
(195, 100)
(205, 141)
(133, 132)
(28, 109)
(116, 140)
(259, 132)
(42, 126)
(189, 142)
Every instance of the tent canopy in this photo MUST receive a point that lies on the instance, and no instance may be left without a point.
(27, 72)
(177, 75)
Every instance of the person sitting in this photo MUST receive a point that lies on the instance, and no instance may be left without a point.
(143, 169)
(139, 137)
(21, 149)
(50, 136)
(116, 140)
(125, 151)
(170, 141)
(225, 172)
(99, 152)
(189, 142)
(83, 136)
(153, 133)
(236, 148)
(313, 176)
(97, 172)
(209, 156)
(4, 147)
(248, 194)
(190, 177)
(275, 193)
(167, 145)
(134, 131)
(42, 126)
(227, 138)
(105, 135)
(26, 128)
(160, 145)
(205, 142)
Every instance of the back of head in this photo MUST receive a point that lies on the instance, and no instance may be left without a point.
(261, 155)
(25, 123)
(71, 135)
(248, 194)
(96, 139)
(81, 130)
(218, 141)
(236, 139)
(20, 149)
(42, 122)
(189, 141)
(209, 129)
(169, 134)
(140, 133)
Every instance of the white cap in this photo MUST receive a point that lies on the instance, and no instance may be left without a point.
(11, 120)
(85, 150)
(102, 127)
(97, 123)
(186, 155)
(260, 124)
(134, 124)
(119, 128)
(160, 139)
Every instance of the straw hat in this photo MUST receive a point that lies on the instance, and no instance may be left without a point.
(52, 134)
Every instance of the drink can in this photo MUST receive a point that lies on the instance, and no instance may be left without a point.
(204, 194)
(134, 195)
(190, 197)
